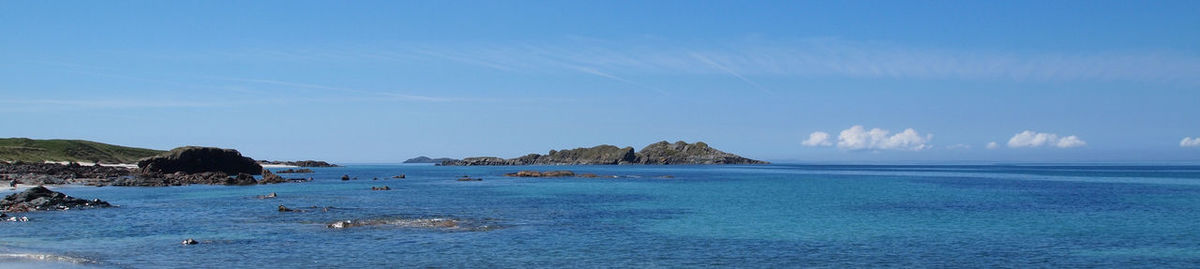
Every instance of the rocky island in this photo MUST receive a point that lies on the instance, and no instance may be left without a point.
(661, 152)
(425, 159)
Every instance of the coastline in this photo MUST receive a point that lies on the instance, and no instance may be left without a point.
(121, 165)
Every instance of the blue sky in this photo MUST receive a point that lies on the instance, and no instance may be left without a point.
(385, 81)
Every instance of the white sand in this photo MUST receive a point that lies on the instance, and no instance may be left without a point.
(277, 166)
(122, 165)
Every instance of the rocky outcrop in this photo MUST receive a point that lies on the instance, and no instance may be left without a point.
(305, 163)
(192, 160)
(41, 198)
(424, 159)
(199, 165)
(683, 153)
(271, 178)
(657, 153)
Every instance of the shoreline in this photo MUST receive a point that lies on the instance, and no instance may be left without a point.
(121, 165)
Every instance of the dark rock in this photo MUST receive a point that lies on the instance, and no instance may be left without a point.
(271, 178)
(384, 188)
(399, 176)
(423, 159)
(198, 160)
(268, 196)
(285, 209)
(468, 178)
(190, 241)
(41, 198)
(242, 179)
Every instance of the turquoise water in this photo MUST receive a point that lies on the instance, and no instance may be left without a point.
(705, 216)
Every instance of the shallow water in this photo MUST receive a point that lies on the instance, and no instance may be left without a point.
(706, 216)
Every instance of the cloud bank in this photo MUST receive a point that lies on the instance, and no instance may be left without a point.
(859, 138)
(1031, 139)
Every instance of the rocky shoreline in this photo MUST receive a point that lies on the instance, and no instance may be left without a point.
(180, 166)
(660, 153)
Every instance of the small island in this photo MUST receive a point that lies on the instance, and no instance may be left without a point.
(425, 159)
(662, 153)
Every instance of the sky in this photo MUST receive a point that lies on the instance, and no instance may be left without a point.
(784, 81)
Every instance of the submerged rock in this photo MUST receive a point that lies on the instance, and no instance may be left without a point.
(468, 178)
(384, 188)
(285, 209)
(41, 198)
(190, 241)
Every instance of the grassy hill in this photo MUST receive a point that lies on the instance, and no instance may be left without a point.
(59, 150)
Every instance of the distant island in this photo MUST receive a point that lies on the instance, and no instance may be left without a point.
(425, 159)
(661, 152)
(62, 150)
(306, 163)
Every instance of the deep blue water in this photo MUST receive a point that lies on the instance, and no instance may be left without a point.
(705, 216)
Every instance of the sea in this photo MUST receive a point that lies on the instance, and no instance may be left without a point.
(643, 216)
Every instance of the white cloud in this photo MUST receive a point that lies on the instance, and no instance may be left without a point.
(1190, 142)
(817, 139)
(992, 145)
(1031, 139)
(859, 138)
(1070, 142)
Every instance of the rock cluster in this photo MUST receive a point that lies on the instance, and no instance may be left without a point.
(295, 171)
(271, 178)
(41, 198)
(51, 173)
(658, 153)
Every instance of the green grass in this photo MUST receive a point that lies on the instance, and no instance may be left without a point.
(60, 150)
